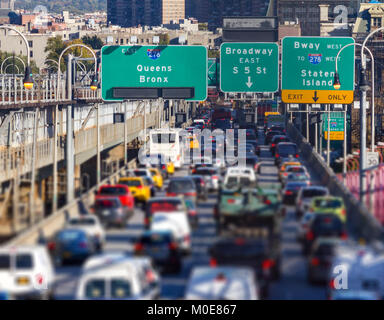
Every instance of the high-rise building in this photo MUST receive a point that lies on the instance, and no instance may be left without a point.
(307, 12)
(129, 13)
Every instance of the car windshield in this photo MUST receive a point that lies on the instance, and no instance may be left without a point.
(164, 206)
(131, 183)
(287, 149)
(82, 222)
(95, 289)
(107, 203)
(328, 203)
(112, 190)
(309, 193)
(120, 289)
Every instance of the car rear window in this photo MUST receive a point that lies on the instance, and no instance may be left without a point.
(95, 289)
(181, 185)
(139, 173)
(106, 203)
(287, 149)
(165, 206)
(325, 249)
(328, 204)
(113, 191)
(296, 169)
(156, 238)
(24, 261)
(5, 261)
(120, 289)
(82, 222)
(70, 235)
(313, 193)
(326, 222)
(131, 183)
(206, 172)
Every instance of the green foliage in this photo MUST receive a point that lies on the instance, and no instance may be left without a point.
(164, 39)
(5, 55)
(95, 42)
(213, 54)
(57, 6)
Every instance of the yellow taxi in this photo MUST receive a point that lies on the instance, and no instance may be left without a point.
(284, 166)
(193, 142)
(138, 187)
(170, 168)
(157, 177)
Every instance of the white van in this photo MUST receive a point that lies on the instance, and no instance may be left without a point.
(177, 222)
(169, 143)
(116, 276)
(239, 175)
(26, 272)
(222, 283)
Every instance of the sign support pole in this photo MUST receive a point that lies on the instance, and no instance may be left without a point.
(345, 146)
(307, 134)
(316, 144)
(328, 135)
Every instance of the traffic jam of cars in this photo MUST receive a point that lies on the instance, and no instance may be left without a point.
(196, 225)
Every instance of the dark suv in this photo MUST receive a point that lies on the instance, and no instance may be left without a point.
(285, 150)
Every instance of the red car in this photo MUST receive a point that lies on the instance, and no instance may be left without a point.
(119, 190)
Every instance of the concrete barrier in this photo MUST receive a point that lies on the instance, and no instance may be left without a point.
(53, 223)
(360, 222)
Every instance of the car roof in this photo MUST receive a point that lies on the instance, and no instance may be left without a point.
(179, 179)
(22, 248)
(156, 199)
(287, 143)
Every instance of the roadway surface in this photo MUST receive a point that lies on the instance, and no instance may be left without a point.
(292, 285)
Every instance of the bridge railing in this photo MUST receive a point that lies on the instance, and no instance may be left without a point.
(360, 222)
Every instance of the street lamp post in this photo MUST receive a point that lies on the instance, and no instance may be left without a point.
(363, 112)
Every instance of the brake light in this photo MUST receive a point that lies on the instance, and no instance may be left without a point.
(344, 236)
(276, 155)
(343, 212)
(139, 246)
(310, 236)
(51, 246)
(171, 194)
(239, 241)
(215, 177)
(190, 194)
(139, 187)
(192, 212)
(150, 276)
(332, 284)
(187, 238)
(297, 155)
(213, 262)
(172, 246)
(231, 201)
(146, 221)
(267, 264)
(267, 201)
(315, 262)
(273, 144)
(288, 192)
(163, 167)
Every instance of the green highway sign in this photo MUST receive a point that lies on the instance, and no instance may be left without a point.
(213, 72)
(308, 70)
(249, 67)
(154, 71)
(336, 125)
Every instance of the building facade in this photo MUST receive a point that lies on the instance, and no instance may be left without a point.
(130, 13)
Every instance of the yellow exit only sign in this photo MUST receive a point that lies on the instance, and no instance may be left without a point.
(318, 97)
(335, 135)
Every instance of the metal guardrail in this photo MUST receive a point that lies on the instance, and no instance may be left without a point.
(51, 224)
(360, 222)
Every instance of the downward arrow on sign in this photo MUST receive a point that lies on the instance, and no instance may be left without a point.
(315, 98)
(249, 83)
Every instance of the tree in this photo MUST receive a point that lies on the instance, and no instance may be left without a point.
(213, 53)
(164, 39)
(5, 55)
(95, 42)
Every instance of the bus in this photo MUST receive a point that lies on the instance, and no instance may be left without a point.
(169, 143)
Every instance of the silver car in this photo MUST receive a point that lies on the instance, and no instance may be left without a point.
(305, 196)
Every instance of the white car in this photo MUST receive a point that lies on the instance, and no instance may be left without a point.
(26, 272)
(199, 121)
(294, 169)
(139, 173)
(177, 222)
(305, 196)
(117, 276)
(222, 283)
(91, 225)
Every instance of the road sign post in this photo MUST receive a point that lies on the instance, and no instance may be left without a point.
(249, 67)
(150, 72)
(308, 70)
(213, 73)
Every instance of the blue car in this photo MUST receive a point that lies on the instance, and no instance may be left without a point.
(71, 245)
